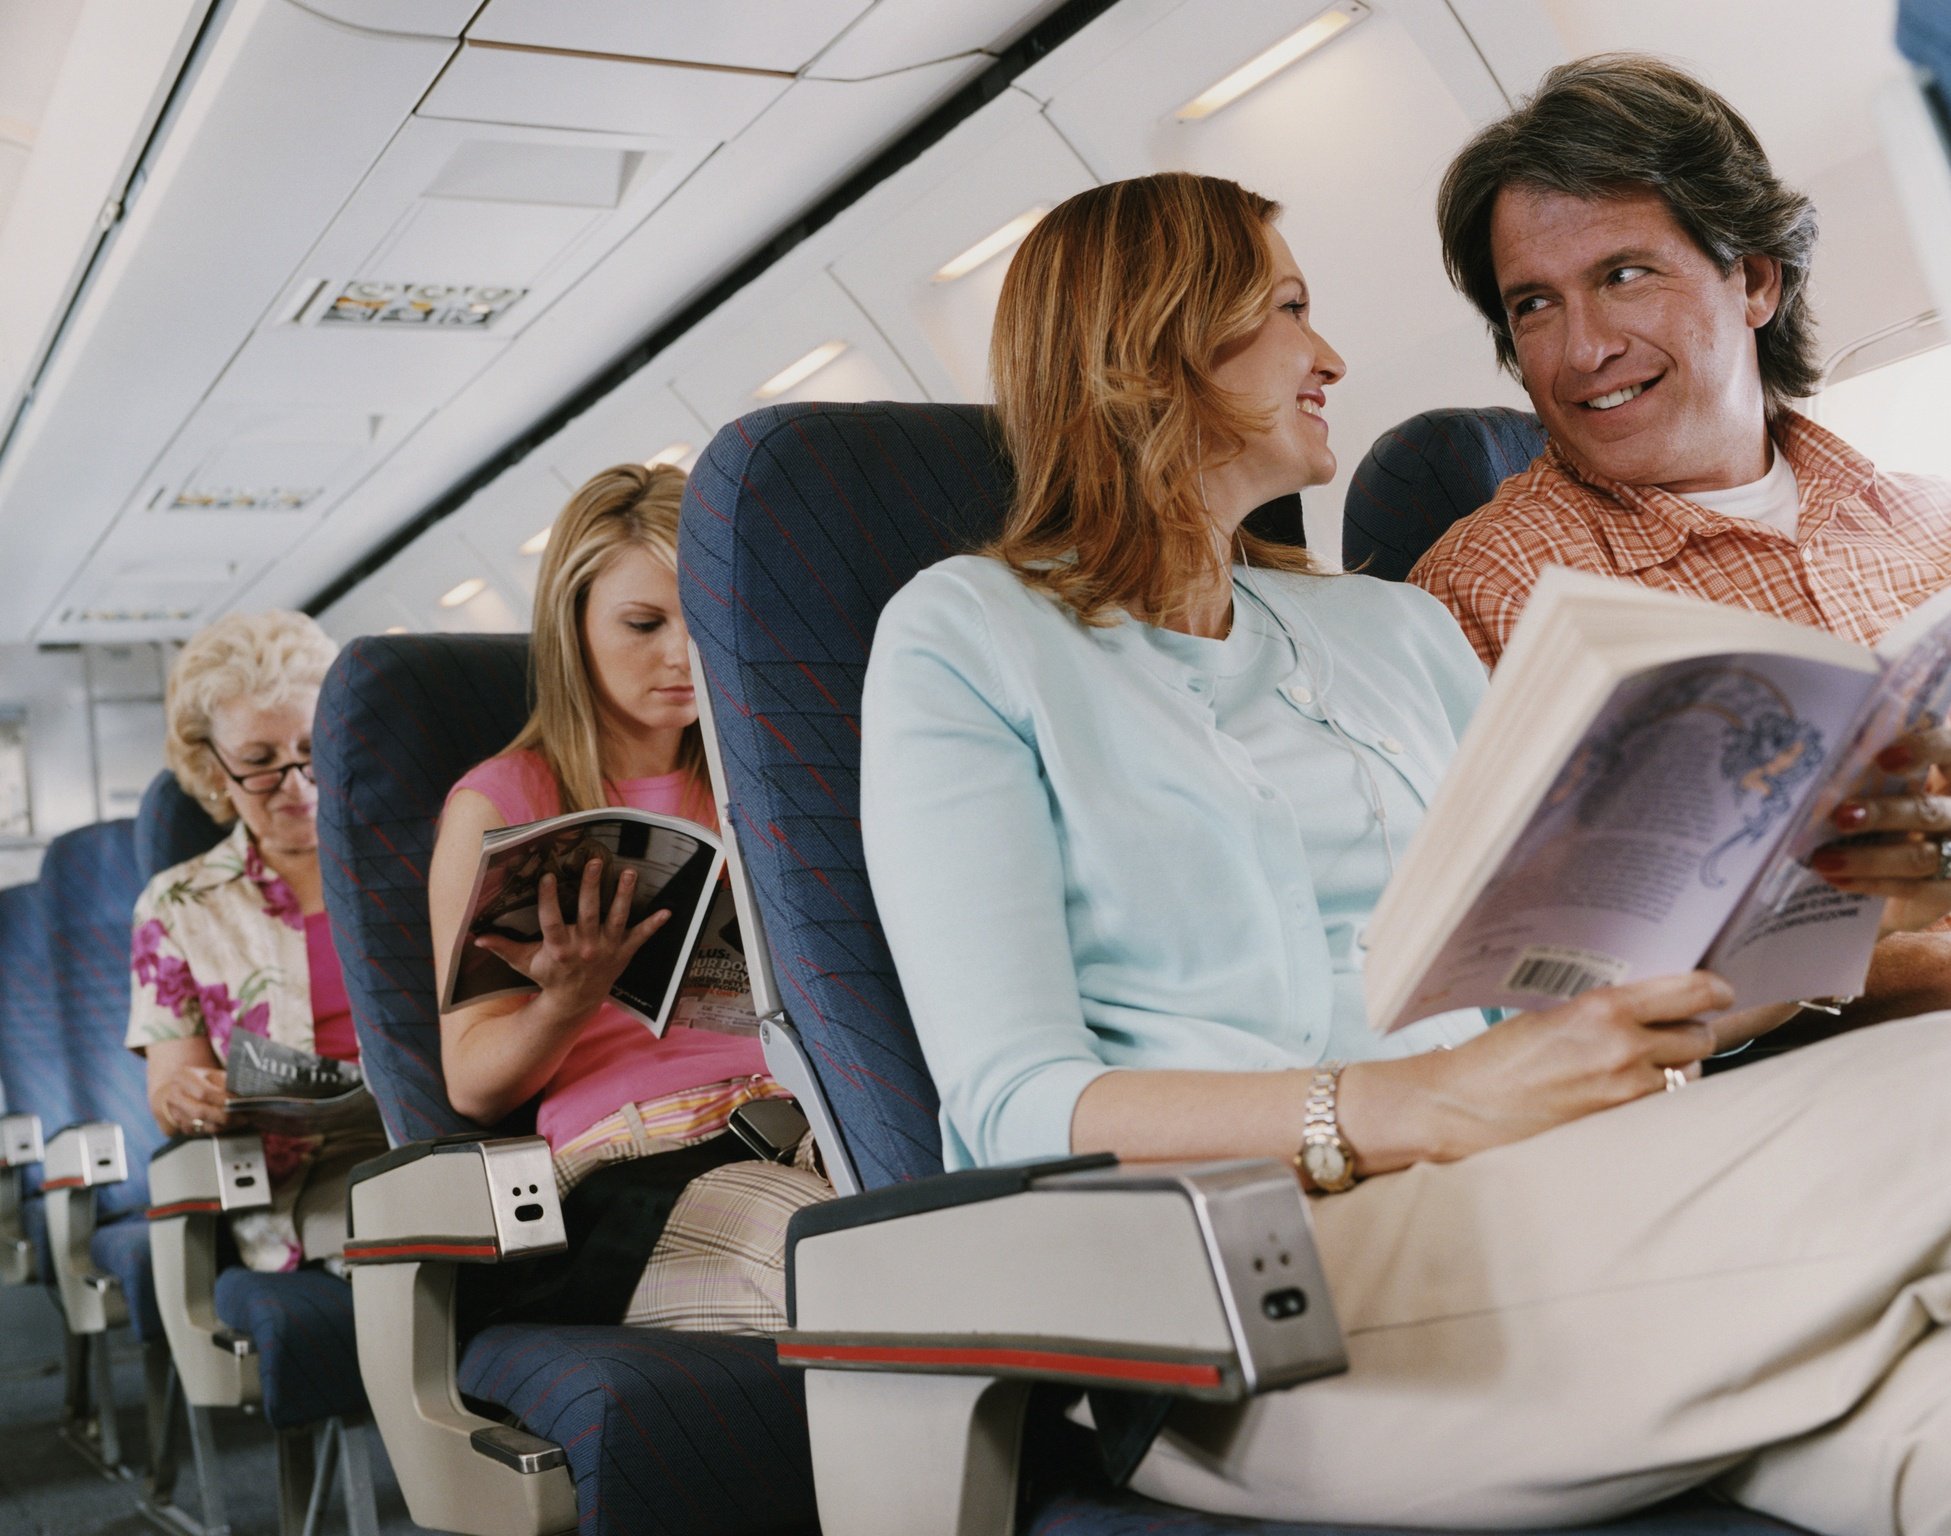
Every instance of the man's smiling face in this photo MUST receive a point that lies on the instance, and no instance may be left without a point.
(1638, 354)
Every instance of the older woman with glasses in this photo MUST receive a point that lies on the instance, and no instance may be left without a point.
(235, 942)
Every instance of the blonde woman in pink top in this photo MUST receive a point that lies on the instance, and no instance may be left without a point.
(692, 1232)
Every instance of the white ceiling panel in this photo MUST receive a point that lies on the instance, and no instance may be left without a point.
(290, 112)
(1005, 164)
(433, 565)
(501, 517)
(642, 417)
(814, 136)
(99, 107)
(370, 610)
(899, 34)
(608, 95)
(751, 34)
(788, 315)
(424, 18)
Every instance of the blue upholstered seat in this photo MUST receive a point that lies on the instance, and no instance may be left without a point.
(33, 1070)
(663, 1431)
(88, 887)
(1429, 472)
(301, 1322)
(799, 523)
(170, 827)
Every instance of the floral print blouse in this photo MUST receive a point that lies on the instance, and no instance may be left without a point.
(219, 946)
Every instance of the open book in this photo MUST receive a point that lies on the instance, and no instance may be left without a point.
(691, 971)
(290, 1092)
(1639, 794)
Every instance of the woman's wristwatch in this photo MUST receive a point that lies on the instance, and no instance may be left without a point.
(1325, 1156)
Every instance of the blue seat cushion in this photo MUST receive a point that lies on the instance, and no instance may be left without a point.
(308, 1354)
(664, 1431)
(1128, 1515)
(121, 1248)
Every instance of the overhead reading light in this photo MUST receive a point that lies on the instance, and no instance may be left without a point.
(467, 591)
(677, 452)
(991, 245)
(396, 629)
(1261, 68)
(535, 543)
(798, 373)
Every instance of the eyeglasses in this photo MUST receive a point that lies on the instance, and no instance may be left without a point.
(263, 781)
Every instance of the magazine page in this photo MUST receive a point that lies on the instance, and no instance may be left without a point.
(278, 1088)
(1797, 935)
(1676, 795)
(675, 863)
(716, 992)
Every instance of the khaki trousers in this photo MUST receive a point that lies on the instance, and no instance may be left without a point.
(1738, 1284)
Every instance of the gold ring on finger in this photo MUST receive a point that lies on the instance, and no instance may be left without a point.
(196, 1125)
(1675, 1079)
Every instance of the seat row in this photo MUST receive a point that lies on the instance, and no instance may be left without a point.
(934, 1316)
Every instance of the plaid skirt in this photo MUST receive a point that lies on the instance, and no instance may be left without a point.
(720, 1265)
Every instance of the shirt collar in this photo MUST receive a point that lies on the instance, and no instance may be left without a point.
(1827, 471)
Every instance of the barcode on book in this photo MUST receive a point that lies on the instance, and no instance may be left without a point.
(1560, 970)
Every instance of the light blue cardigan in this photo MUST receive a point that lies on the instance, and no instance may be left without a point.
(1078, 872)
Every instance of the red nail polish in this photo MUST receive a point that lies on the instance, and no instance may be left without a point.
(1850, 814)
(1896, 759)
(1827, 863)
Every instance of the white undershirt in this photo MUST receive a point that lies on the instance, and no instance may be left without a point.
(1774, 499)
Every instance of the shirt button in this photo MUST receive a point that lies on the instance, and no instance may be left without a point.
(1389, 744)
(1301, 695)
(1264, 792)
(1808, 557)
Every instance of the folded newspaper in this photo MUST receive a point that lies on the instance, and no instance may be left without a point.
(690, 972)
(278, 1088)
(1639, 794)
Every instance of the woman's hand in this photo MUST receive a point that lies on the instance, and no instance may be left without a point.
(1555, 1065)
(186, 1087)
(576, 963)
(1897, 846)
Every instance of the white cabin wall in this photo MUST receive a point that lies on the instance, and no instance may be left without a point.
(94, 737)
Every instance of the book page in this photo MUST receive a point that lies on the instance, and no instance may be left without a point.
(716, 992)
(1679, 790)
(1797, 935)
(673, 863)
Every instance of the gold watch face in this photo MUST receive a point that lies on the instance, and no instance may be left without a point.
(1326, 1164)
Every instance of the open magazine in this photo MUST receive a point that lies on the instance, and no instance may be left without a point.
(1639, 794)
(290, 1092)
(690, 972)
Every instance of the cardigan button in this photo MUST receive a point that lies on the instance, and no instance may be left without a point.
(1389, 744)
(1301, 695)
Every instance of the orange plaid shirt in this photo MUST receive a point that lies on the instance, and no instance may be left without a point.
(1868, 548)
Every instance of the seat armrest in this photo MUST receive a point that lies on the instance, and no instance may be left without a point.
(464, 1199)
(81, 1159)
(1195, 1279)
(85, 1156)
(20, 1141)
(193, 1184)
(20, 1149)
(416, 1213)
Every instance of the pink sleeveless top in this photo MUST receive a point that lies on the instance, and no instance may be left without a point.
(615, 1060)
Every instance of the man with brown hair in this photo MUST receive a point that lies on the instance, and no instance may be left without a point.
(1644, 274)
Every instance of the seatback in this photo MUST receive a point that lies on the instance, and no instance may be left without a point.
(400, 718)
(35, 1074)
(1420, 477)
(170, 826)
(88, 888)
